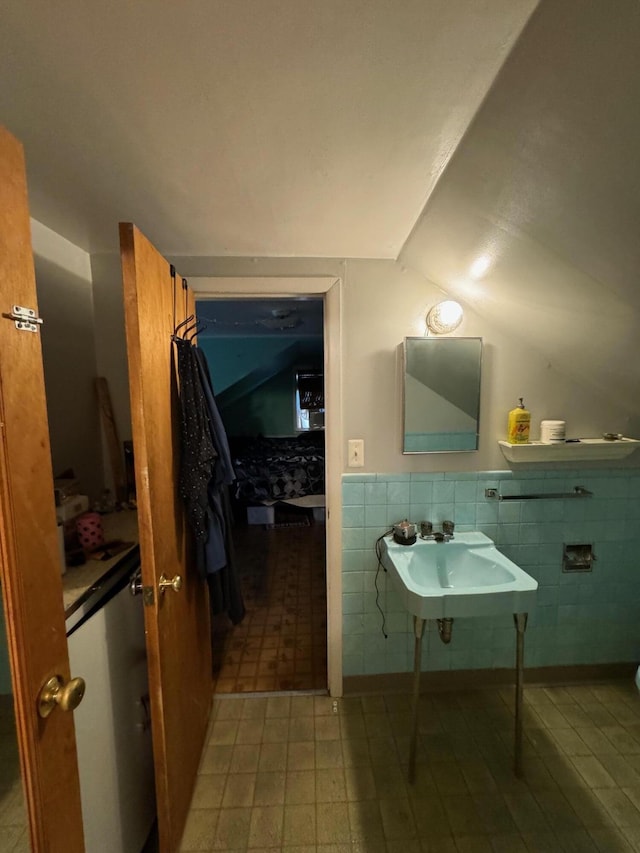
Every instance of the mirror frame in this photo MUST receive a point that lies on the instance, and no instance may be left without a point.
(404, 393)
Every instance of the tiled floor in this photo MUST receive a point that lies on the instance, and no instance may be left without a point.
(282, 642)
(14, 835)
(298, 773)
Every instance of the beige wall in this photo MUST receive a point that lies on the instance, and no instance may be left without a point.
(65, 301)
(110, 343)
(382, 304)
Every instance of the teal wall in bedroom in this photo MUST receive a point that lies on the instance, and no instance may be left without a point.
(5, 671)
(269, 407)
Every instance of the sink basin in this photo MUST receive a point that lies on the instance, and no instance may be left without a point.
(467, 576)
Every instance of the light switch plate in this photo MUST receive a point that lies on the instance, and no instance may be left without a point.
(356, 453)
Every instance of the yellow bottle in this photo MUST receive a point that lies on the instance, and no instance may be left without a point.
(519, 425)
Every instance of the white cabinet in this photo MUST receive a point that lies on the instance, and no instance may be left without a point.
(112, 723)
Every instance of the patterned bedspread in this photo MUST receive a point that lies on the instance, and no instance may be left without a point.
(279, 468)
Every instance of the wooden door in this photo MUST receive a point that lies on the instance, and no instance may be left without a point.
(176, 623)
(29, 557)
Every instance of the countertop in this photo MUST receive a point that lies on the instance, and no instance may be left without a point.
(79, 582)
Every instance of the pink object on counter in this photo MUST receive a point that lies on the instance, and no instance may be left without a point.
(89, 530)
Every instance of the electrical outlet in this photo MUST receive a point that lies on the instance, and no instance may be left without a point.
(356, 453)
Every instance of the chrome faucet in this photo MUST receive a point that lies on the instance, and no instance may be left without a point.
(445, 535)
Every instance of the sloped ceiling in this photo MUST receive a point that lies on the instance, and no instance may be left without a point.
(246, 127)
(492, 145)
(536, 220)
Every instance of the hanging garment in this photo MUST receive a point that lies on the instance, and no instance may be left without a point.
(213, 556)
(205, 473)
(198, 454)
(224, 470)
(225, 594)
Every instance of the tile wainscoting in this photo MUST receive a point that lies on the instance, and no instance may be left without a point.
(580, 618)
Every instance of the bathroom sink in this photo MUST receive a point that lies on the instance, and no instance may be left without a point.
(466, 576)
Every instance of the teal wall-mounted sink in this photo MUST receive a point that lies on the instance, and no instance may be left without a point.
(464, 577)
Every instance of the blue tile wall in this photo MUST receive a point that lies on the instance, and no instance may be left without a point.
(581, 618)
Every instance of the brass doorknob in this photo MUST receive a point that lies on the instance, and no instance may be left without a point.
(174, 583)
(55, 692)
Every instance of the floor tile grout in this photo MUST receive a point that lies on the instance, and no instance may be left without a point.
(281, 644)
(349, 768)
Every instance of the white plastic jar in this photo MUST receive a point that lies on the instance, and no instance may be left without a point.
(551, 431)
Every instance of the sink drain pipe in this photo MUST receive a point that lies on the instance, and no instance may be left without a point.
(445, 626)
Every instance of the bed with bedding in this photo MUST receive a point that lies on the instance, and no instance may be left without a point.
(278, 469)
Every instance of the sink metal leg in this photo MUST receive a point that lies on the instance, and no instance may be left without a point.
(520, 620)
(418, 630)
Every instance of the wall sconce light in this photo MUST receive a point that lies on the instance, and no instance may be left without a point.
(444, 317)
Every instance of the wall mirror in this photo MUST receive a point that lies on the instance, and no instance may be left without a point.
(441, 402)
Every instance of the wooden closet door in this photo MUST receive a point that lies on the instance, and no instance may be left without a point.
(29, 557)
(176, 622)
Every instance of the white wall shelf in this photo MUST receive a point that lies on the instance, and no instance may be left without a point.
(586, 449)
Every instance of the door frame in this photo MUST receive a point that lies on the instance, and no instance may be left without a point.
(329, 289)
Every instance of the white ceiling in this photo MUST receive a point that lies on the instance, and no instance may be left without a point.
(246, 127)
(545, 187)
(439, 131)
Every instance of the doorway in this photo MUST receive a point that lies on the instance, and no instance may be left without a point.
(327, 289)
(266, 359)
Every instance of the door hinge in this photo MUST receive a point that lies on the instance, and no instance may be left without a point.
(26, 319)
(148, 597)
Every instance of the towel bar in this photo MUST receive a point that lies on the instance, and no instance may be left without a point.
(578, 492)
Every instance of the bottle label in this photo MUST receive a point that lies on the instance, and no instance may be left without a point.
(519, 426)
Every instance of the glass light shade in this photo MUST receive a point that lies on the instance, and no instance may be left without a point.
(444, 317)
